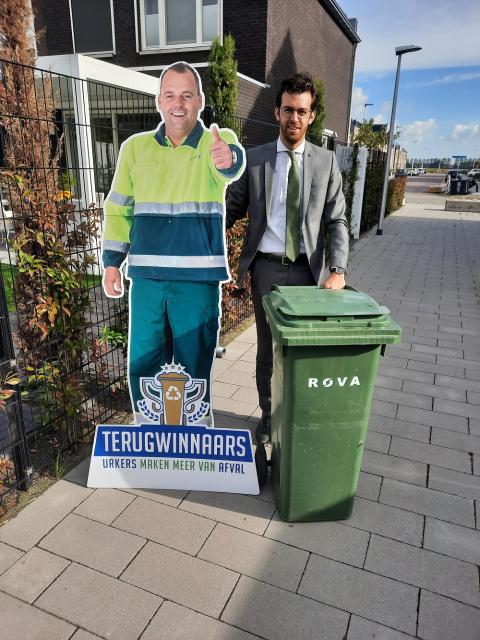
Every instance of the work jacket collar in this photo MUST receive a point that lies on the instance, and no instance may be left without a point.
(191, 140)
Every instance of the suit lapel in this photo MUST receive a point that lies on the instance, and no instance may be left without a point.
(307, 177)
(269, 170)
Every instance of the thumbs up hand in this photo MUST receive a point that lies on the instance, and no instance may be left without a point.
(221, 152)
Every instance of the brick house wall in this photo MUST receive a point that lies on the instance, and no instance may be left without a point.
(274, 38)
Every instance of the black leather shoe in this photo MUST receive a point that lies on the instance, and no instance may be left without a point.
(263, 431)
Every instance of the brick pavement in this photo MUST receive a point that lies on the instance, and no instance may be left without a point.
(173, 565)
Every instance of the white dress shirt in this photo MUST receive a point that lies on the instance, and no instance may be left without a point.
(273, 240)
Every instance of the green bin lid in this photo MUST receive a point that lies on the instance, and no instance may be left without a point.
(311, 315)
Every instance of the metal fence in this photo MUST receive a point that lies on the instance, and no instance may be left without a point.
(59, 140)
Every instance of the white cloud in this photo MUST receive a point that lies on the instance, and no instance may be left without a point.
(449, 79)
(418, 131)
(359, 98)
(465, 132)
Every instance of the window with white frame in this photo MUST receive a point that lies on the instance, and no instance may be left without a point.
(178, 23)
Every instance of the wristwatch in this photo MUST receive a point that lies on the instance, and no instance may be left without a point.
(340, 270)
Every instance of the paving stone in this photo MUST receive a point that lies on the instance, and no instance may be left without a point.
(458, 441)
(368, 486)
(443, 619)
(223, 389)
(456, 408)
(330, 539)
(230, 406)
(474, 427)
(388, 382)
(444, 369)
(433, 419)
(92, 544)
(98, 603)
(171, 497)
(423, 568)
(245, 367)
(469, 364)
(381, 408)
(457, 383)
(381, 599)
(233, 377)
(377, 442)
(441, 351)
(407, 374)
(430, 454)
(255, 556)
(174, 622)
(104, 505)
(247, 395)
(249, 335)
(8, 555)
(172, 527)
(79, 475)
(435, 391)
(460, 484)
(473, 397)
(31, 524)
(219, 366)
(394, 467)
(244, 512)
(32, 574)
(428, 502)
(236, 349)
(25, 622)
(476, 464)
(452, 540)
(192, 582)
(402, 428)
(409, 399)
(250, 356)
(80, 634)
(387, 521)
(361, 629)
(392, 360)
(275, 614)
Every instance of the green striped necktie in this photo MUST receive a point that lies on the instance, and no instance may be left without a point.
(292, 230)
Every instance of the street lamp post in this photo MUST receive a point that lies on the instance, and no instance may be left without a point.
(367, 104)
(399, 51)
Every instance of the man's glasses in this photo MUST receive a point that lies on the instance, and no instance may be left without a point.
(301, 113)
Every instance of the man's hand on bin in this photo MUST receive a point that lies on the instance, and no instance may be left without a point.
(221, 152)
(334, 281)
(112, 282)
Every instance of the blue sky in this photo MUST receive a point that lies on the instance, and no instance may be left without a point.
(438, 109)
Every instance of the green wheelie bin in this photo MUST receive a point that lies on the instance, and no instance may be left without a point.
(326, 348)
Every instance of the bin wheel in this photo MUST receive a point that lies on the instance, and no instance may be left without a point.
(261, 463)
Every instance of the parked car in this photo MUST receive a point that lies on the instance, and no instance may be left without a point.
(422, 171)
(412, 172)
(475, 173)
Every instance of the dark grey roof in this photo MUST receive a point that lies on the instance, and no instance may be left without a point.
(347, 25)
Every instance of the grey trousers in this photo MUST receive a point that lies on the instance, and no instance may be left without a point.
(265, 274)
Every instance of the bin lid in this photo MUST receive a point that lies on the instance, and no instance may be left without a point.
(314, 302)
(315, 316)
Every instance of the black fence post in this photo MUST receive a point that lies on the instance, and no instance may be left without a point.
(13, 410)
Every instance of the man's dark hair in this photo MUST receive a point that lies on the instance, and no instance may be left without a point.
(299, 83)
(183, 67)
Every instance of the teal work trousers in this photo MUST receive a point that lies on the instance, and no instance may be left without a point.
(191, 309)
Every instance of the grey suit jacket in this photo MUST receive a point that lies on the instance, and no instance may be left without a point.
(323, 205)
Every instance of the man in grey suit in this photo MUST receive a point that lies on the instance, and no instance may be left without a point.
(293, 193)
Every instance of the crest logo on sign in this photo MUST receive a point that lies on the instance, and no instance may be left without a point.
(173, 397)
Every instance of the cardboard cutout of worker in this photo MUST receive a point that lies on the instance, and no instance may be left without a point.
(164, 217)
(165, 225)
